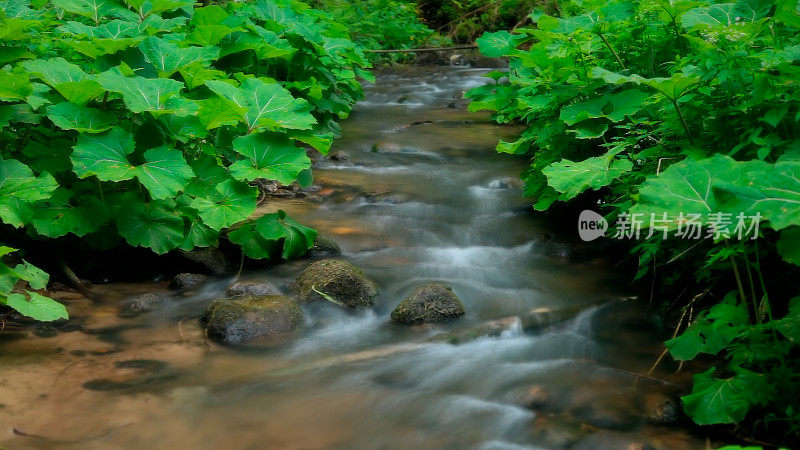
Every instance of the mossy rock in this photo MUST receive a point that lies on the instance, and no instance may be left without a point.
(237, 320)
(324, 247)
(338, 280)
(251, 288)
(430, 303)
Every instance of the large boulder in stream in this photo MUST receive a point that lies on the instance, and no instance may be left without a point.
(335, 280)
(430, 303)
(242, 319)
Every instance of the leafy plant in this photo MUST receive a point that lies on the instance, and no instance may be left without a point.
(671, 110)
(27, 302)
(383, 25)
(143, 122)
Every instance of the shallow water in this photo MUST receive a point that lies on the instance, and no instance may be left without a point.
(433, 208)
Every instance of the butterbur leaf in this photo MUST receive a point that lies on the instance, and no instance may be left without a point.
(216, 112)
(19, 187)
(104, 156)
(93, 9)
(269, 155)
(252, 243)
(68, 79)
(229, 202)
(69, 116)
(199, 235)
(37, 306)
(726, 400)
(297, 239)
(168, 57)
(140, 94)
(36, 277)
(154, 225)
(771, 190)
(61, 214)
(684, 188)
(14, 86)
(268, 104)
(164, 173)
(497, 44)
(572, 178)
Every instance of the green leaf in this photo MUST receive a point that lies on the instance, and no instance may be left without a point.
(155, 225)
(37, 306)
(726, 400)
(789, 245)
(14, 86)
(168, 57)
(68, 79)
(104, 156)
(93, 9)
(19, 188)
(771, 190)
(683, 188)
(62, 214)
(268, 104)
(228, 203)
(297, 239)
(269, 155)
(497, 44)
(789, 325)
(571, 178)
(69, 116)
(199, 235)
(36, 277)
(216, 112)
(142, 94)
(164, 173)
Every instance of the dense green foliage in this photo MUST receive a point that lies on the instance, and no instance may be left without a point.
(383, 25)
(142, 122)
(465, 20)
(667, 109)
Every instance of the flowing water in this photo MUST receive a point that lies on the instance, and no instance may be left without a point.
(433, 203)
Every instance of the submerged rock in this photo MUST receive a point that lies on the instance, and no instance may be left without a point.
(324, 247)
(249, 288)
(662, 410)
(507, 183)
(185, 281)
(610, 411)
(339, 156)
(492, 328)
(337, 280)
(430, 303)
(142, 304)
(237, 320)
(386, 147)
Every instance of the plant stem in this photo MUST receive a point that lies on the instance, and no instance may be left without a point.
(756, 307)
(608, 44)
(683, 121)
(739, 279)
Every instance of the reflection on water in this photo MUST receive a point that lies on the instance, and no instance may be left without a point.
(436, 203)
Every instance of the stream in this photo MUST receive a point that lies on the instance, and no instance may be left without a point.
(423, 197)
